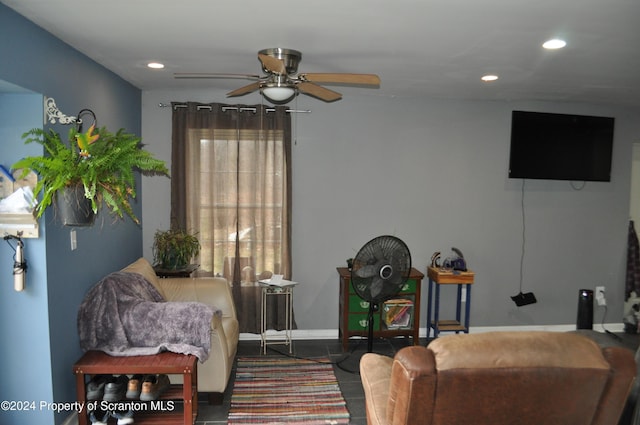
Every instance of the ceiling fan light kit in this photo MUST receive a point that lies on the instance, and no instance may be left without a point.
(282, 81)
(277, 93)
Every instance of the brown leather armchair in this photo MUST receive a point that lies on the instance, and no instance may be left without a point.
(499, 378)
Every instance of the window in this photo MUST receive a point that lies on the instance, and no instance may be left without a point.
(231, 183)
(240, 205)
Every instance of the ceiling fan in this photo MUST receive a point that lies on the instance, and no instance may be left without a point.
(282, 81)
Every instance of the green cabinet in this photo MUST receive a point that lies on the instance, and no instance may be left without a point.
(399, 316)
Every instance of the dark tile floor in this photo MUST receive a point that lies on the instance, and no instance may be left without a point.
(346, 371)
(605, 339)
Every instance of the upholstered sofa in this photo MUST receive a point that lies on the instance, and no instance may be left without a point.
(214, 373)
(499, 378)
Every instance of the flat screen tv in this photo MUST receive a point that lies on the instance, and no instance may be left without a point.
(560, 146)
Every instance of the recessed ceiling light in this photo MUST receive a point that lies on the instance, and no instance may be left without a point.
(489, 77)
(555, 43)
(155, 65)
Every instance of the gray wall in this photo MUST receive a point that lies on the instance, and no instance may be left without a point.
(434, 173)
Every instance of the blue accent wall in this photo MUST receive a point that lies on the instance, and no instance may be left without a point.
(24, 315)
(38, 327)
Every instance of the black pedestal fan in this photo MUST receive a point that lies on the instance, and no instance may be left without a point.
(379, 271)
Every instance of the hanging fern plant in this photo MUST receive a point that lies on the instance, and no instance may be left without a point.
(103, 163)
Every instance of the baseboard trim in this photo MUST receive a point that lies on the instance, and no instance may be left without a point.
(302, 334)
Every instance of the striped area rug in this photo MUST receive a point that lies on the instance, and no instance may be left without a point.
(286, 391)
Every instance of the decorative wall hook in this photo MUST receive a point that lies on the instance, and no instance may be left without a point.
(80, 121)
(19, 264)
(52, 113)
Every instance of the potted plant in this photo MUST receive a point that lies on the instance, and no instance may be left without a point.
(99, 167)
(175, 248)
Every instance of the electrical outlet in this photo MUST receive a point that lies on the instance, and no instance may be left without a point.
(600, 295)
(74, 240)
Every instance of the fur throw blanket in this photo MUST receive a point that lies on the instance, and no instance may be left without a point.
(125, 315)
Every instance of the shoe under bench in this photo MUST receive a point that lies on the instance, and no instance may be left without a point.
(98, 362)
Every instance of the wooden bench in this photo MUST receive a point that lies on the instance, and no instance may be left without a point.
(97, 363)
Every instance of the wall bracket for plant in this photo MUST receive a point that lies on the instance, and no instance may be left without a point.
(52, 114)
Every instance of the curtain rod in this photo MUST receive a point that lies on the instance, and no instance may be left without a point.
(236, 108)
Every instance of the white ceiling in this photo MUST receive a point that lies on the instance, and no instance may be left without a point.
(419, 48)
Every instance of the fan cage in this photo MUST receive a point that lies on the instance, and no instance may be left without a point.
(381, 268)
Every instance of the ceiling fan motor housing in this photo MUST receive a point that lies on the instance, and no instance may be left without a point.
(291, 58)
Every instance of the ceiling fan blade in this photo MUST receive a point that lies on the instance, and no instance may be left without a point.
(244, 90)
(272, 64)
(208, 75)
(371, 80)
(320, 92)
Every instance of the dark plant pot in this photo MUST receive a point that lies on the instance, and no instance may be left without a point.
(73, 207)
